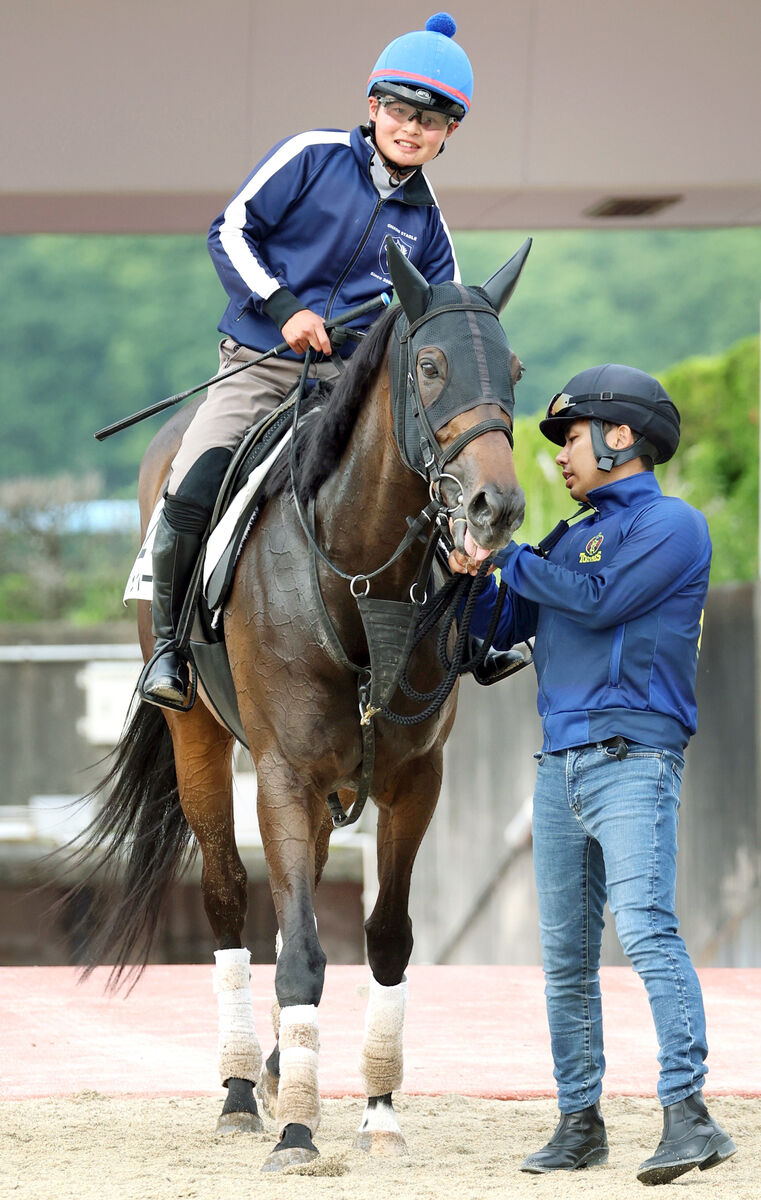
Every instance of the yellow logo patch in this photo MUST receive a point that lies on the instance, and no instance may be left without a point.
(592, 552)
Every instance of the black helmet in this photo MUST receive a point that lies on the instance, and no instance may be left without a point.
(625, 396)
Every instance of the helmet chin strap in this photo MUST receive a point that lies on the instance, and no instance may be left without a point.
(397, 173)
(607, 458)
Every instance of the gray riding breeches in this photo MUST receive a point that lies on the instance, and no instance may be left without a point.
(233, 405)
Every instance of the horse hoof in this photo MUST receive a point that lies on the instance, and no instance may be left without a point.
(295, 1149)
(266, 1092)
(240, 1122)
(381, 1142)
(293, 1156)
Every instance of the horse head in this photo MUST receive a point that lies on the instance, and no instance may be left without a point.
(454, 375)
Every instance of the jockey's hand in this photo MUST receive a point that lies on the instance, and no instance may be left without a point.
(306, 328)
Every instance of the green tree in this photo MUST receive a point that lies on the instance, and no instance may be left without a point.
(93, 328)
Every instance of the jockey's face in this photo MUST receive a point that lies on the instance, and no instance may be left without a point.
(406, 143)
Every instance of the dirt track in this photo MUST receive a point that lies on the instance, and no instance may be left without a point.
(93, 1147)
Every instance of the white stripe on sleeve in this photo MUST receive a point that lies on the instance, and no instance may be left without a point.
(252, 272)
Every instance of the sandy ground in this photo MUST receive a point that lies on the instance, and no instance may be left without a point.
(92, 1145)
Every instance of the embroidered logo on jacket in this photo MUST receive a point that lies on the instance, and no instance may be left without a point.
(591, 552)
(397, 236)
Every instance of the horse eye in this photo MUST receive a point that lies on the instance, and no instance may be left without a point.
(429, 368)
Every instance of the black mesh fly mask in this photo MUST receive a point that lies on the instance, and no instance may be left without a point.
(462, 323)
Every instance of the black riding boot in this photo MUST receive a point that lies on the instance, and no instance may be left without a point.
(578, 1141)
(165, 681)
(691, 1138)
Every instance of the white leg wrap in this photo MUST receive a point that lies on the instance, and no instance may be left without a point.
(381, 1118)
(240, 1055)
(381, 1062)
(298, 1098)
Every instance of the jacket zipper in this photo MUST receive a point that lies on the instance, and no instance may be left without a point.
(354, 257)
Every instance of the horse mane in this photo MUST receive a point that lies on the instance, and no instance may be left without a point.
(329, 414)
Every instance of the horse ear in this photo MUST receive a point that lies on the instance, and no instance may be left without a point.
(501, 286)
(412, 291)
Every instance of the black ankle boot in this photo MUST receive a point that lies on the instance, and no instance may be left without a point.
(578, 1141)
(691, 1138)
(166, 679)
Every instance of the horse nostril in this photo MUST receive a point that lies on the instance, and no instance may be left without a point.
(492, 509)
(480, 510)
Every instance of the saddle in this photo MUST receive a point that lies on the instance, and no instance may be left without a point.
(239, 500)
(235, 513)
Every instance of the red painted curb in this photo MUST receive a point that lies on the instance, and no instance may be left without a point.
(474, 1031)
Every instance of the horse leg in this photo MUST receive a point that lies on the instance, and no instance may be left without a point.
(203, 757)
(290, 830)
(402, 820)
(267, 1087)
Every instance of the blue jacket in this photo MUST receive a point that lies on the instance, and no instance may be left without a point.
(307, 230)
(616, 610)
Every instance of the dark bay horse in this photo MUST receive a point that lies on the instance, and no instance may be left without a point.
(423, 410)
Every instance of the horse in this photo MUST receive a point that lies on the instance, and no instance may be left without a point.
(420, 419)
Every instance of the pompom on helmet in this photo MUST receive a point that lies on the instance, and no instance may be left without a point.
(625, 396)
(426, 68)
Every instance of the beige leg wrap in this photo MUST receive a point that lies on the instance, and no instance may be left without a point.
(275, 1014)
(240, 1055)
(298, 1098)
(381, 1062)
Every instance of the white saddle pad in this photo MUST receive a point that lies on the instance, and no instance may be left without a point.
(140, 582)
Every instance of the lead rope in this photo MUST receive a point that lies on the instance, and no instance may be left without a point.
(443, 607)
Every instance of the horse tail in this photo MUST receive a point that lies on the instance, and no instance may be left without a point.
(136, 846)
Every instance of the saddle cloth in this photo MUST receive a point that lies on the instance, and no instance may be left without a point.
(224, 543)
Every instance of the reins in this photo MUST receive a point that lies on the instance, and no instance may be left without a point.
(394, 629)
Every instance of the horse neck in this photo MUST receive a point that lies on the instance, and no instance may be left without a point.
(361, 509)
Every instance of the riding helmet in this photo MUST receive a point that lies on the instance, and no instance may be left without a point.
(625, 396)
(426, 68)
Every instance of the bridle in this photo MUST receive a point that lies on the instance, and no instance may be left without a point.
(415, 429)
(422, 451)
(392, 627)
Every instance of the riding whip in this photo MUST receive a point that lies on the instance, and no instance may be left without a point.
(380, 301)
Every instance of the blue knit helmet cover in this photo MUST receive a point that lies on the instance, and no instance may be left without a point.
(428, 59)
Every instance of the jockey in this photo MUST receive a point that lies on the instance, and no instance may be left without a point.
(301, 241)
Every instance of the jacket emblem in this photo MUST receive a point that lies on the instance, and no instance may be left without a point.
(401, 244)
(592, 552)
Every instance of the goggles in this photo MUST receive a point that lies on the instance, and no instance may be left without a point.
(559, 403)
(402, 113)
(563, 401)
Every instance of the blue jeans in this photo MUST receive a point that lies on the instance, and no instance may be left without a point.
(604, 827)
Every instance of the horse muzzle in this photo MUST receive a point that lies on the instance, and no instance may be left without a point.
(493, 514)
(487, 520)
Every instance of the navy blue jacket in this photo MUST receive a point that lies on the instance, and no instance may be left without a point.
(307, 230)
(616, 610)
